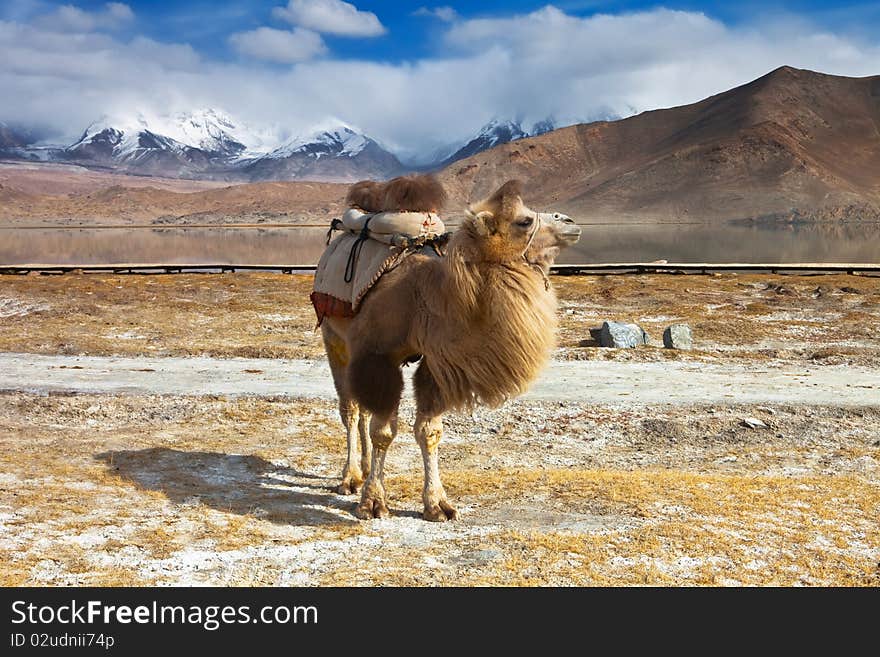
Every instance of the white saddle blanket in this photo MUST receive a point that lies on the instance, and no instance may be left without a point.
(371, 257)
(370, 260)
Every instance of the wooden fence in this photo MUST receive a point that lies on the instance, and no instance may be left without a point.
(588, 268)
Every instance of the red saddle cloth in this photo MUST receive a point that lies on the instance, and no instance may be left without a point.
(328, 305)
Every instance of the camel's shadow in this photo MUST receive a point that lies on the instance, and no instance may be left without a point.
(232, 483)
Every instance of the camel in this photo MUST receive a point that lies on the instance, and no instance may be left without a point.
(480, 322)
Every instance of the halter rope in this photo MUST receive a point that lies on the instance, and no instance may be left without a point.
(536, 227)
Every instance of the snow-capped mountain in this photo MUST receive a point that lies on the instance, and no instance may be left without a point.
(217, 133)
(546, 125)
(492, 134)
(120, 139)
(195, 136)
(333, 152)
(209, 143)
(207, 130)
(335, 141)
(210, 130)
(130, 144)
(495, 133)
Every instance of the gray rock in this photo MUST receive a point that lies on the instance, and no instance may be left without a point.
(754, 423)
(678, 336)
(619, 335)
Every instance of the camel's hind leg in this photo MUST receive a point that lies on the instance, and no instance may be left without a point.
(366, 444)
(383, 430)
(349, 410)
(428, 430)
(376, 382)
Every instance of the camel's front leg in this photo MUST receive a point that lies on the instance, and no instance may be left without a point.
(352, 476)
(383, 429)
(428, 430)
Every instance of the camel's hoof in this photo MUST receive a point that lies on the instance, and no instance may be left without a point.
(440, 512)
(372, 508)
(349, 485)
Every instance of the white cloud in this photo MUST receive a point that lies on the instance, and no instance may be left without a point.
(120, 11)
(332, 17)
(170, 56)
(283, 46)
(528, 66)
(69, 18)
(627, 63)
(23, 9)
(445, 13)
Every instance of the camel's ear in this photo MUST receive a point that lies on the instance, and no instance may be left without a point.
(508, 198)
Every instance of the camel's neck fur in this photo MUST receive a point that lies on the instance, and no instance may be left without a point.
(490, 329)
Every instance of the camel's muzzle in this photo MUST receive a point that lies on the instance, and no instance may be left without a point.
(567, 230)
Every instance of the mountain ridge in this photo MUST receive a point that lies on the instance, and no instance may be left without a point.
(793, 145)
(789, 140)
(210, 144)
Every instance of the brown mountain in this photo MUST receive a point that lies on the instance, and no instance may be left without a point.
(64, 195)
(791, 143)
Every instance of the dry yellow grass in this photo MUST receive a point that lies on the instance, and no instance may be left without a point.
(115, 489)
(754, 315)
(246, 315)
(249, 481)
(692, 528)
(269, 315)
(638, 492)
(84, 482)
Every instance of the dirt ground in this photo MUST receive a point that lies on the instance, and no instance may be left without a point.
(59, 195)
(59, 180)
(137, 488)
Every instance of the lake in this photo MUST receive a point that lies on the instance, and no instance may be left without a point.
(288, 245)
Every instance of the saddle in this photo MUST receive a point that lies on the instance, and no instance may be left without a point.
(369, 246)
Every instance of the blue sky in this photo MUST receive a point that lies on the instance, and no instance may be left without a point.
(415, 75)
(206, 24)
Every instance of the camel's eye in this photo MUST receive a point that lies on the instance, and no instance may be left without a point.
(525, 223)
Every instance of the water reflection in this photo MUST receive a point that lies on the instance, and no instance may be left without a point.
(279, 246)
(727, 242)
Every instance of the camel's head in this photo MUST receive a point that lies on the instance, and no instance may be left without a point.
(506, 229)
(557, 232)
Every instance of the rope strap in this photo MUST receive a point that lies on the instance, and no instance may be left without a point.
(336, 224)
(355, 252)
(535, 228)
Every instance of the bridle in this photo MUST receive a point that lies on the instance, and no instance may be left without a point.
(536, 226)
